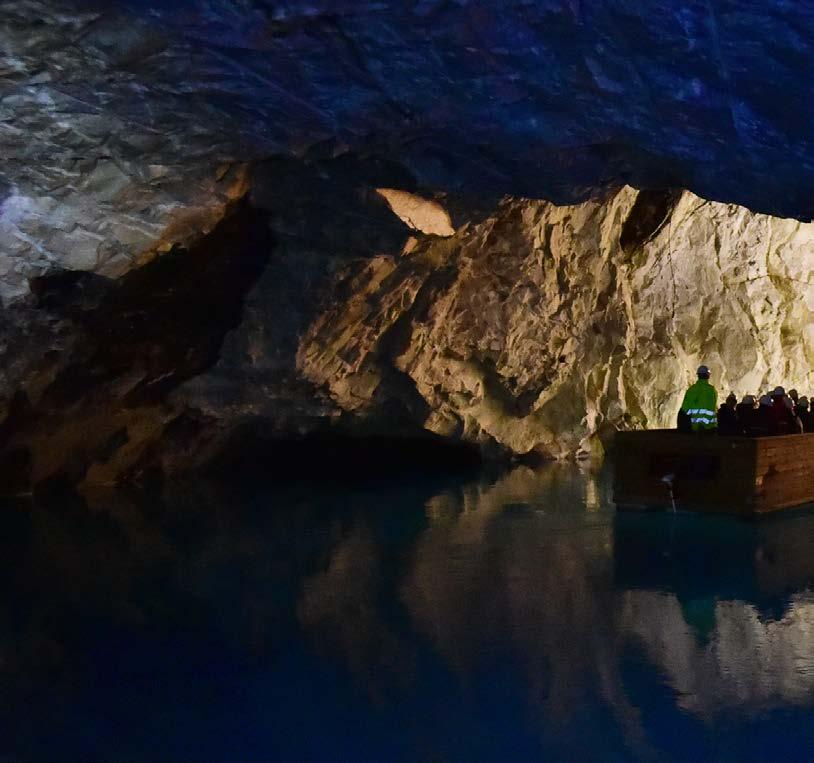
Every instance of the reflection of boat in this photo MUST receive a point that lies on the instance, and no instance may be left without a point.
(709, 473)
(715, 557)
(722, 606)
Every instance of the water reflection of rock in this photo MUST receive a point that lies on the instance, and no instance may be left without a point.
(472, 578)
(510, 566)
(722, 607)
(341, 608)
(748, 664)
(473, 575)
(423, 595)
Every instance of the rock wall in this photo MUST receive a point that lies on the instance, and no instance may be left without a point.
(545, 329)
(398, 295)
(90, 364)
(314, 310)
(175, 363)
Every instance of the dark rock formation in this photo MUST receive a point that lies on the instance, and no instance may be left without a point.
(90, 406)
(189, 362)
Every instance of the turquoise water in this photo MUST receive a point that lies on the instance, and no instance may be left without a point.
(480, 617)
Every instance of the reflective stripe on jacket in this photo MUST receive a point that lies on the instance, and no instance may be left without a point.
(700, 404)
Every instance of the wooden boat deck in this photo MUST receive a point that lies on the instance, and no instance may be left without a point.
(713, 473)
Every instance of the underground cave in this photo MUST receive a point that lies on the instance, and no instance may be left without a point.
(319, 323)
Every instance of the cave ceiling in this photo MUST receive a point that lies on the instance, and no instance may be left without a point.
(123, 124)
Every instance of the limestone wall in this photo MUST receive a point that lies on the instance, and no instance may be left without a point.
(547, 328)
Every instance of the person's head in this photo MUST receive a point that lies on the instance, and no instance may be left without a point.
(766, 401)
(748, 400)
(703, 372)
(794, 395)
(778, 392)
(731, 400)
(802, 403)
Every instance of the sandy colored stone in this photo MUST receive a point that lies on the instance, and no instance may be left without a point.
(537, 330)
(425, 215)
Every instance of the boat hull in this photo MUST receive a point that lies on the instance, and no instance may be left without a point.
(710, 473)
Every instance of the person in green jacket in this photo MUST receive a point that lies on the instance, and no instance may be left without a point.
(700, 404)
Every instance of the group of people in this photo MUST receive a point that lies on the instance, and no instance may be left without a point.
(776, 413)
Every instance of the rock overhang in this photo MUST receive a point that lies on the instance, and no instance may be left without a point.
(552, 99)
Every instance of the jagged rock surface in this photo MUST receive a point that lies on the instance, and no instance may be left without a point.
(90, 363)
(547, 328)
(119, 121)
(539, 329)
(168, 367)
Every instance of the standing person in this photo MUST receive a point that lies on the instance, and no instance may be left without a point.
(728, 423)
(783, 419)
(747, 415)
(804, 414)
(700, 403)
(762, 426)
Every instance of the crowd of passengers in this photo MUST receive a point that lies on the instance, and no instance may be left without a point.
(775, 413)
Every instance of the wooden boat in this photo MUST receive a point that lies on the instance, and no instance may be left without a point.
(665, 469)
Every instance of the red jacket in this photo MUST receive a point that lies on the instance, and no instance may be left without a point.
(782, 418)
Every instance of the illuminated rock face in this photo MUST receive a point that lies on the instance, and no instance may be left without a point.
(538, 329)
(547, 328)
(423, 215)
(102, 167)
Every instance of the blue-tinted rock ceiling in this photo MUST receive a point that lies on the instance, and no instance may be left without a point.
(124, 126)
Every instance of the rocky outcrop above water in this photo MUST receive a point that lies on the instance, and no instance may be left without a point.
(314, 311)
(183, 362)
(381, 286)
(545, 329)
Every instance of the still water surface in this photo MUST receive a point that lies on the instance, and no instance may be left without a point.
(506, 616)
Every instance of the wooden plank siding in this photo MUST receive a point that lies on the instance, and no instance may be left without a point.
(711, 473)
(784, 472)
